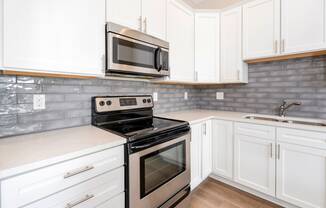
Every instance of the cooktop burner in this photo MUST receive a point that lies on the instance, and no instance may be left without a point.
(131, 117)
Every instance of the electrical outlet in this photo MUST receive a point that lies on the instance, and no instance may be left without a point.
(155, 96)
(39, 102)
(186, 96)
(219, 95)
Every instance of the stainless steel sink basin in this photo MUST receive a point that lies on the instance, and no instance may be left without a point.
(310, 122)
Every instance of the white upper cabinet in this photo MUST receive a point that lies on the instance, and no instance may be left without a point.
(144, 15)
(180, 35)
(222, 145)
(1, 34)
(207, 47)
(125, 12)
(62, 36)
(233, 69)
(154, 17)
(303, 25)
(261, 29)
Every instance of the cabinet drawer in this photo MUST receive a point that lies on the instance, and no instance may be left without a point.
(302, 137)
(116, 202)
(92, 193)
(32, 186)
(253, 130)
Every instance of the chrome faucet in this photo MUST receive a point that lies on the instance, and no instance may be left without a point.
(284, 107)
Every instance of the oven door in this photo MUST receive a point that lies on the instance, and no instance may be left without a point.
(130, 56)
(158, 173)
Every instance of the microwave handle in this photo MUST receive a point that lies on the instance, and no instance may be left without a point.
(158, 59)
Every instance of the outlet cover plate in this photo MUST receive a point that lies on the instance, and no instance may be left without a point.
(219, 95)
(39, 102)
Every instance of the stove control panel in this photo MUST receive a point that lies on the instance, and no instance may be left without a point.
(108, 104)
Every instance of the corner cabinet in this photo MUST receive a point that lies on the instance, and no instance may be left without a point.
(222, 145)
(233, 69)
(201, 155)
(207, 29)
(180, 35)
(55, 36)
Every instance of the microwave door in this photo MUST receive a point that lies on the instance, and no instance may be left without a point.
(130, 56)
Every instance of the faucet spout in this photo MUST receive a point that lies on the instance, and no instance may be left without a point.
(284, 107)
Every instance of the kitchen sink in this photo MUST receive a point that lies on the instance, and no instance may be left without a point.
(303, 121)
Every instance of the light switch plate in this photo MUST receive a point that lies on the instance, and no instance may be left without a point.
(39, 102)
(186, 96)
(155, 96)
(219, 95)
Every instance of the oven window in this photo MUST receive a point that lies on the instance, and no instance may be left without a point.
(160, 167)
(133, 54)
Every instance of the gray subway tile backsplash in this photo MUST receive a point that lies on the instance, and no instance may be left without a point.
(68, 101)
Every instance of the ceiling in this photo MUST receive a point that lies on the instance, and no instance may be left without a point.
(211, 4)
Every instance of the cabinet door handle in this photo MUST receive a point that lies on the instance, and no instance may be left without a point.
(73, 204)
(205, 130)
(145, 25)
(140, 21)
(238, 74)
(196, 75)
(79, 171)
(283, 45)
(276, 46)
(278, 151)
(271, 146)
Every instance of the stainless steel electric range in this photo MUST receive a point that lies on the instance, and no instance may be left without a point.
(158, 151)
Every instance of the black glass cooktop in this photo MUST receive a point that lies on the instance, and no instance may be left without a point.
(143, 127)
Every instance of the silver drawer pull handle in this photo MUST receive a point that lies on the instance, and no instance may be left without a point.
(70, 174)
(86, 198)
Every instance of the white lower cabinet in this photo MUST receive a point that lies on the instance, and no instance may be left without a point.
(90, 194)
(301, 168)
(222, 148)
(88, 181)
(254, 157)
(201, 159)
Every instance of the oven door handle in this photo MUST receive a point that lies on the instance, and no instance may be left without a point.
(142, 146)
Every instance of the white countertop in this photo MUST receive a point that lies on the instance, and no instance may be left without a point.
(28, 152)
(196, 116)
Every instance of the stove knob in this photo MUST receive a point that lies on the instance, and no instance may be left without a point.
(102, 103)
(109, 102)
(149, 100)
(144, 101)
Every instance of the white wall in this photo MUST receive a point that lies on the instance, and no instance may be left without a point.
(211, 4)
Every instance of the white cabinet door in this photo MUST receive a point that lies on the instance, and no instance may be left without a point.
(222, 147)
(1, 34)
(154, 17)
(261, 28)
(207, 47)
(196, 155)
(125, 12)
(62, 36)
(206, 149)
(303, 25)
(233, 68)
(254, 158)
(301, 175)
(180, 34)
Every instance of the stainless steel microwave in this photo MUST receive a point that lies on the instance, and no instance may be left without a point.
(130, 52)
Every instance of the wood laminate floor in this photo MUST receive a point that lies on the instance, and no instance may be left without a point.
(214, 194)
